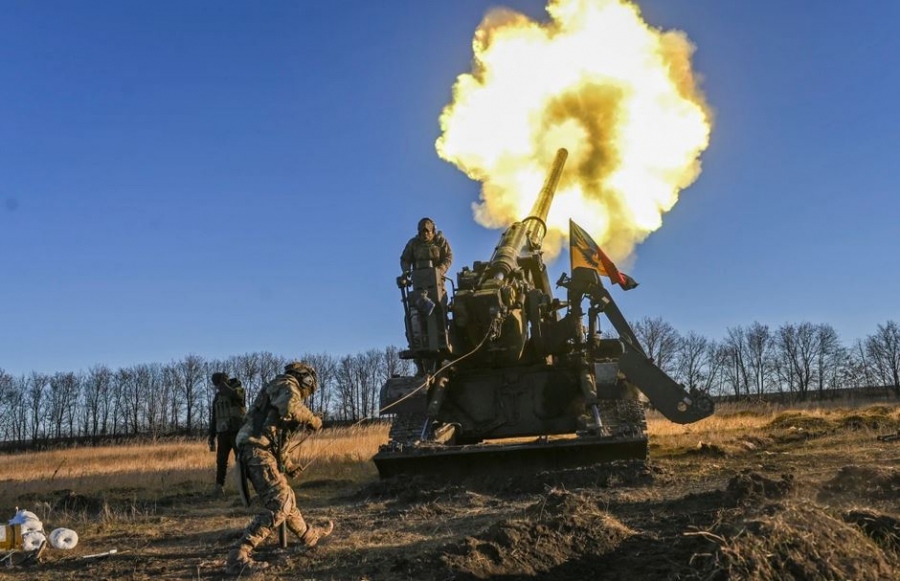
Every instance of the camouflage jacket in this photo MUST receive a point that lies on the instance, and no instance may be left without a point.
(437, 251)
(276, 413)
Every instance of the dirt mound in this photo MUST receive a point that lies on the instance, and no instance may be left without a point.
(749, 486)
(882, 528)
(880, 409)
(800, 421)
(863, 483)
(560, 528)
(869, 421)
(796, 542)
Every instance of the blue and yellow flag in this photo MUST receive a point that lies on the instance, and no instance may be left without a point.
(585, 252)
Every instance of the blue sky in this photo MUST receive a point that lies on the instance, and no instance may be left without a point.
(220, 177)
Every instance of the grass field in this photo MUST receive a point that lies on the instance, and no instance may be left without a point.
(753, 492)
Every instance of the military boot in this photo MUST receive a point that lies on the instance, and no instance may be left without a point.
(312, 535)
(239, 561)
(219, 490)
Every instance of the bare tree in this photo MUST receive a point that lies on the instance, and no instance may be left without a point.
(796, 352)
(7, 401)
(371, 378)
(759, 345)
(659, 339)
(37, 390)
(326, 372)
(97, 399)
(692, 359)
(393, 365)
(736, 369)
(61, 400)
(156, 394)
(191, 370)
(347, 388)
(883, 347)
(171, 395)
(19, 408)
(248, 368)
(830, 358)
(858, 371)
(132, 399)
(719, 358)
(270, 365)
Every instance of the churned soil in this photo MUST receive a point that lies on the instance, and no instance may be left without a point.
(801, 498)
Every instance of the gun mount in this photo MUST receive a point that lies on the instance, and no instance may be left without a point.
(505, 359)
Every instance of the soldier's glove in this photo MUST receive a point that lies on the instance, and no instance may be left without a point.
(212, 444)
(293, 471)
(402, 281)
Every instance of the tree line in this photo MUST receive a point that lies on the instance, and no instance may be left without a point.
(154, 399)
(798, 360)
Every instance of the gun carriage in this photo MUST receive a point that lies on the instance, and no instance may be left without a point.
(513, 379)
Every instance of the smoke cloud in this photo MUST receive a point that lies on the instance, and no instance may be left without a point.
(594, 78)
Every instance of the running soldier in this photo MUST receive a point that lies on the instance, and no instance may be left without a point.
(277, 413)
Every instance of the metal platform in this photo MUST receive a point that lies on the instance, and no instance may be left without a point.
(460, 462)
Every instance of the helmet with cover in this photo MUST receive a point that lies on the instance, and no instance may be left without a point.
(305, 374)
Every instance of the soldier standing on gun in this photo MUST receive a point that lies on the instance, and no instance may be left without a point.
(277, 413)
(427, 248)
(428, 244)
(227, 415)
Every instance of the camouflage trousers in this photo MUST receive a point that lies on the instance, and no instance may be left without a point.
(276, 495)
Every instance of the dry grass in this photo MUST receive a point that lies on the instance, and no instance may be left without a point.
(355, 444)
(345, 453)
(731, 421)
(797, 541)
(804, 486)
(157, 469)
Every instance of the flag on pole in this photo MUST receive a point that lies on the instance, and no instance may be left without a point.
(583, 251)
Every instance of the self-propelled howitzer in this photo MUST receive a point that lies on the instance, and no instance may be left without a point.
(504, 359)
(497, 302)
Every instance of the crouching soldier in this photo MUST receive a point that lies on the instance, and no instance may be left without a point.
(276, 414)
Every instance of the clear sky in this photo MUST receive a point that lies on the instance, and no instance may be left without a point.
(217, 177)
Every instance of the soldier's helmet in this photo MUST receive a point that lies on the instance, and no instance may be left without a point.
(219, 377)
(305, 374)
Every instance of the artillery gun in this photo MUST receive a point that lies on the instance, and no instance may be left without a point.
(511, 378)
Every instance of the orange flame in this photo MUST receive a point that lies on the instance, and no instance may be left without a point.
(596, 79)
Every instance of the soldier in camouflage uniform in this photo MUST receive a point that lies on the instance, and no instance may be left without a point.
(429, 244)
(275, 415)
(228, 407)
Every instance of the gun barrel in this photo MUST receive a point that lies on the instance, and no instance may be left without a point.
(541, 207)
(528, 233)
